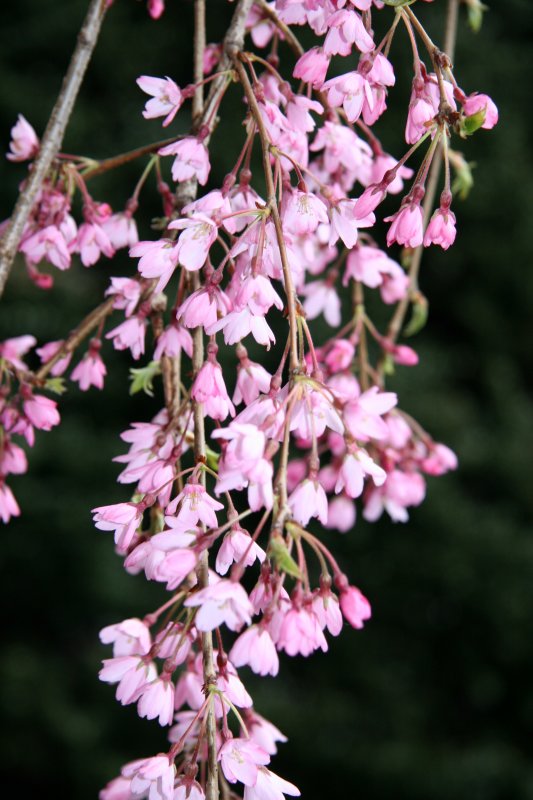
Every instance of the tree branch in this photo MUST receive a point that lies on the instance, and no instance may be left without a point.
(398, 318)
(80, 332)
(53, 135)
(271, 199)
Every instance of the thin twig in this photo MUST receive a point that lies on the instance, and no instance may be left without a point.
(200, 450)
(124, 158)
(450, 32)
(398, 318)
(80, 332)
(53, 135)
(201, 114)
(271, 200)
(288, 35)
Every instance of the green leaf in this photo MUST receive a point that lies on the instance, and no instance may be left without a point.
(419, 315)
(475, 11)
(398, 3)
(473, 123)
(277, 551)
(55, 385)
(464, 179)
(388, 364)
(142, 379)
(212, 459)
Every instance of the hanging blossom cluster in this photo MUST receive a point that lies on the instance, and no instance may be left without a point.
(229, 485)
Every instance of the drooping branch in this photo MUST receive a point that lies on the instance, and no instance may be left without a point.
(76, 337)
(203, 114)
(398, 318)
(271, 200)
(53, 135)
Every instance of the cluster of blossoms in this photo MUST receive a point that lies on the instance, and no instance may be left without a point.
(228, 476)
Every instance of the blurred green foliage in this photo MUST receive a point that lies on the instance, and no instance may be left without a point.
(432, 700)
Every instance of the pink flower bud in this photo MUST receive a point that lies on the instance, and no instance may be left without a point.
(24, 144)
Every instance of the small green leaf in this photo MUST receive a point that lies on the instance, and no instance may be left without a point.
(142, 379)
(464, 180)
(277, 551)
(475, 10)
(388, 364)
(55, 385)
(397, 3)
(471, 124)
(212, 458)
(419, 315)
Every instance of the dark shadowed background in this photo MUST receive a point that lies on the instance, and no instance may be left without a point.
(432, 700)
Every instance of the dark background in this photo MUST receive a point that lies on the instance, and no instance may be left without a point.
(432, 700)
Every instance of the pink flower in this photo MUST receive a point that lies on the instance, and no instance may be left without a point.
(166, 98)
(223, 602)
(243, 463)
(341, 514)
(123, 518)
(151, 777)
(210, 390)
(441, 228)
(91, 370)
(203, 306)
(192, 159)
(381, 165)
(117, 789)
(8, 505)
(240, 759)
(41, 411)
(327, 609)
(121, 230)
(270, 786)
(238, 546)
(13, 349)
(369, 201)
(300, 632)
(48, 243)
(157, 700)
(374, 268)
(298, 112)
(92, 241)
(127, 294)
(309, 500)
(129, 334)
(264, 733)
(129, 637)
(440, 460)
(363, 413)
(349, 91)
(131, 673)
(303, 213)
(24, 144)
(199, 233)
(355, 606)
(345, 29)
(195, 506)
(48, 351)
(156, 9)
(400, 490)
(157, 260)
(312, 66)
(407, 226)
(475, 103)
(172, 341)
(355, 467)
(252, 380)
(256, 648)
(188, 789)
(322, 298)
